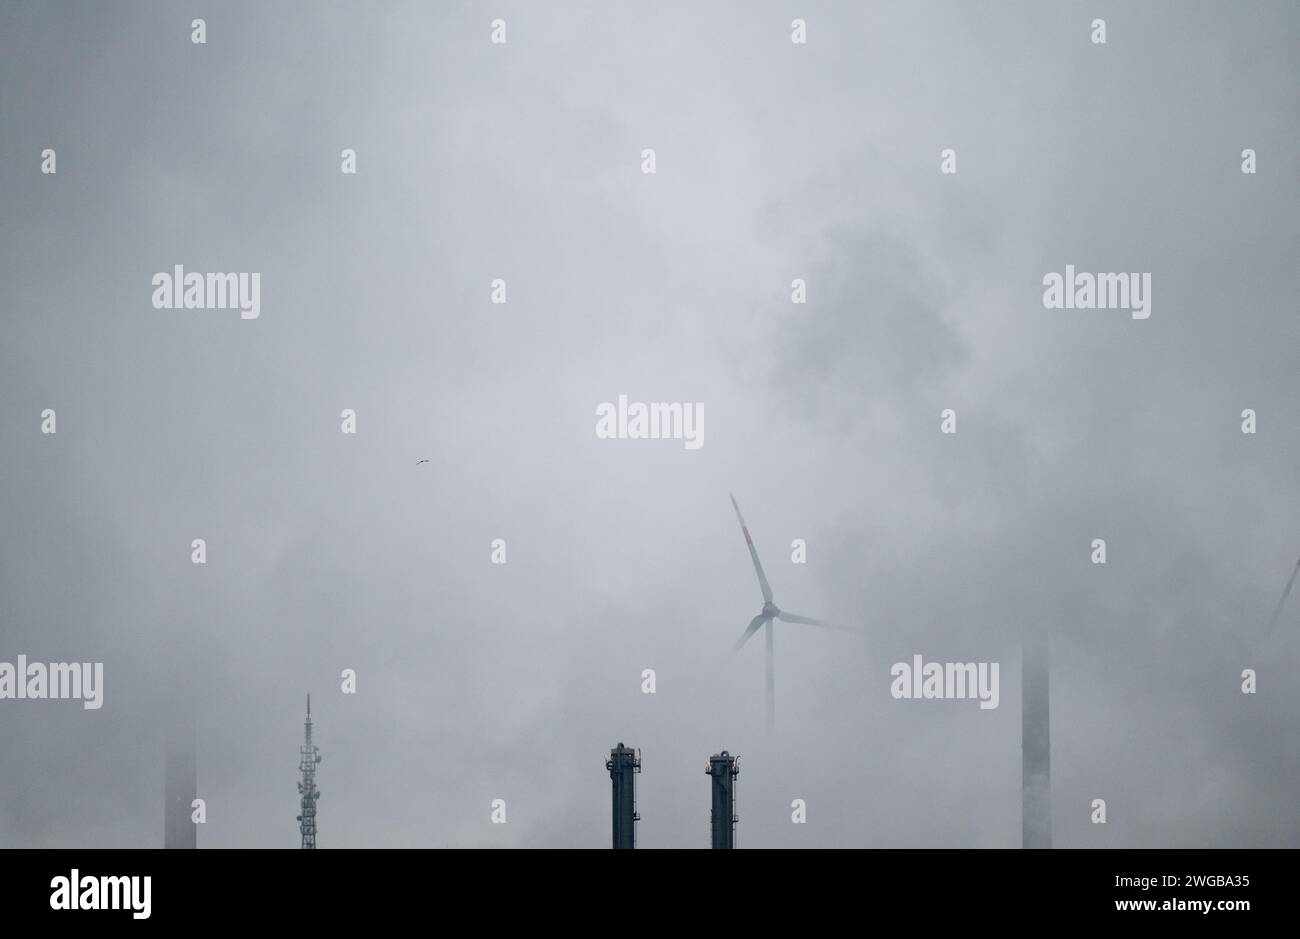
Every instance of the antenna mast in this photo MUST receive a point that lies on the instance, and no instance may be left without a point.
(309, 756)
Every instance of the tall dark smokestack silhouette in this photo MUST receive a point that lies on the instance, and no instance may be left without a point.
(1036, 742)
(623, 765)
(723, 769)
(180, 781)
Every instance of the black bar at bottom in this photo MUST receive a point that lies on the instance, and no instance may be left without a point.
(379, 887)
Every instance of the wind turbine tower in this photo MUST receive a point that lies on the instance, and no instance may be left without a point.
(309, 757)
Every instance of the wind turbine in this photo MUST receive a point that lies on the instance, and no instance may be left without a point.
(765, 617)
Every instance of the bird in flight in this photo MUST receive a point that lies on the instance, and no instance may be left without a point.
(418, 462)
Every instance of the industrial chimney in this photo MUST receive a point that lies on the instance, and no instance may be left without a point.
(723, 769)
(623, 765)
(180, 780)
(1036, 743)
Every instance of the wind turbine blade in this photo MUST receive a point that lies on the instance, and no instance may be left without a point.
(785, 617)
(754, 626)
(1277, 610)
(758, 566)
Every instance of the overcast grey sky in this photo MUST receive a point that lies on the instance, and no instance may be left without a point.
(774, 161)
